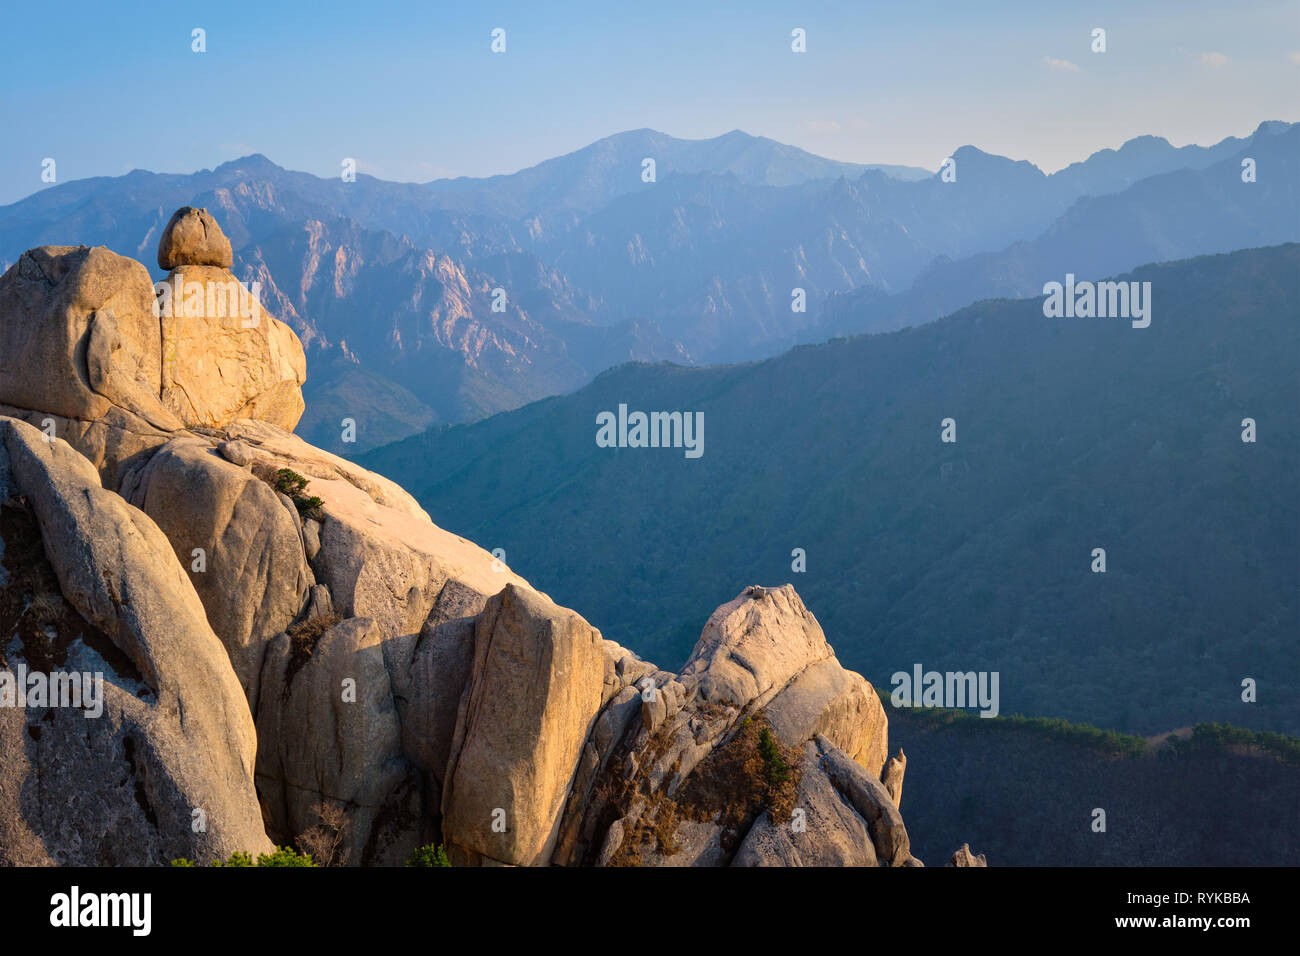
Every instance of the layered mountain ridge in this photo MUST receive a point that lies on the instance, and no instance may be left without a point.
(971, 554)
(450, 301)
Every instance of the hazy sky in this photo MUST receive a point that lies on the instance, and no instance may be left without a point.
(413, 91)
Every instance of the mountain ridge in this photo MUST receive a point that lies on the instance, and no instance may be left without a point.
(461, 314)
(935, 566)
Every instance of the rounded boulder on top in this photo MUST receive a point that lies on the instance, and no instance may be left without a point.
(193, 238)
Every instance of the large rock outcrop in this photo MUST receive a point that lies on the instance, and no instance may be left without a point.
(329, 735)
(90, 585)
(224, 356)
(727, 763)
(295, 649)
(92, 354)
(534, 691)
(240, 542)
(379, 561)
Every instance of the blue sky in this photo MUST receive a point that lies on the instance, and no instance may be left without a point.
(413, 92)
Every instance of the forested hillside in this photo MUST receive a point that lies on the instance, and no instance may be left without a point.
(1072, 435)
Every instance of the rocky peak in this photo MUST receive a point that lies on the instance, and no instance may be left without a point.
(118, 364)
(353, 679)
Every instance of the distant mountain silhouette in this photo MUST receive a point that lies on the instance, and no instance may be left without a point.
(457, 299)
(587, 179)
(1170, 215)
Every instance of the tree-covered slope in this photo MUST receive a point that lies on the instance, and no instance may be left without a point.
(1072, 434)
(1211, 796)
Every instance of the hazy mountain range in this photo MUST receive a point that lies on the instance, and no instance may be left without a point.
(973, 555)
(392, 286)
(1203, 208)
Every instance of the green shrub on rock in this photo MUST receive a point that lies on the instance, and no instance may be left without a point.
(431, 854)
(283, 856)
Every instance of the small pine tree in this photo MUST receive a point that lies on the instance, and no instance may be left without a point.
(775, 768)
(289, 482)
